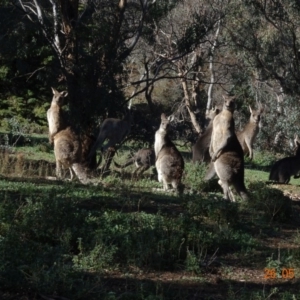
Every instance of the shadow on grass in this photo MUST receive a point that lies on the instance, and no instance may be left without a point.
(166, 287)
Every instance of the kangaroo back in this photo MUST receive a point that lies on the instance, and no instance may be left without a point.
(284, 168)
(113, 130)
(200, 149)
(227, 153)
(143, 159)
(169, 162)
(248, 135)
(68, 154)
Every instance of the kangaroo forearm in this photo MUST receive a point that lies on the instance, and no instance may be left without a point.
(221, 147)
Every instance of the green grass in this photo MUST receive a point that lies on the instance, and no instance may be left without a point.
(121, 239)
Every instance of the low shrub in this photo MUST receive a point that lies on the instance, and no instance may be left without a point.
(269, 202)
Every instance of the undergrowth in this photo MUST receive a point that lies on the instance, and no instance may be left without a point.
(67, 240)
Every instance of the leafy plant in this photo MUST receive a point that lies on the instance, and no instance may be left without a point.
(269, 202)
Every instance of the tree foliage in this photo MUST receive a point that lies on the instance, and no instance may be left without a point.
(179, 56)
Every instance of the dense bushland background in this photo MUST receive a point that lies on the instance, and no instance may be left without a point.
(173, 56)
(119, 238)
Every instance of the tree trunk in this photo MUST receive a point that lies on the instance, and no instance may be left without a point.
(188, 103)
(211, 68)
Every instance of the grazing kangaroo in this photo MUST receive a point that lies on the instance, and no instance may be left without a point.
(68, 153)
(55, 116)
(201, 148)
(226, 152)
(115, 130)
(283, 169)
(143, 159)
(247, 136)
(169, 162)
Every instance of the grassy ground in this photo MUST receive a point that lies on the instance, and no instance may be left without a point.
(121, 239)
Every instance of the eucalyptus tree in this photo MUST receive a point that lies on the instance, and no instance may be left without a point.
(184, 48)
(91, 41)
(265, 37)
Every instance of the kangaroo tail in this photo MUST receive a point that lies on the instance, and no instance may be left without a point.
(80, 173)
(128, 163)
(100, 140)
(241, 190)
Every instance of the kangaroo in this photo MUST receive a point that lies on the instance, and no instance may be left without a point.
(115, 130)
(284, 168)
(227, 153)
(55, 116)
(68, 153)
(247, 136)
(200, 149)
(169, 162)
(143, 159)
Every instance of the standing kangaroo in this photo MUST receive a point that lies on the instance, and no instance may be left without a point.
(115, 130)
(68, 154)
(284, 168)
(55, 118)
(226, 152)
(201, 148)
(143, 159)
(247, 136)
(169, 162)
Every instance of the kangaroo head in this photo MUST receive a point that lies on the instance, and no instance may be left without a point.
(255, 115)
(229, 103)
(58, 97)
(212, 113)
(164, 124)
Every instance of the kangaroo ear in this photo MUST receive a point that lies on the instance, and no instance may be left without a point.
(163, 116)
(53, 90)
(261, 108)
(250, 109)
(232, 98)
(170, 118)
(64, 94)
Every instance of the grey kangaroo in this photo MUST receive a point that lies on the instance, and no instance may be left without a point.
(284, 168)
(143, 159)
(169, 162)
(248, 135)
(200, 149)
(55, 118)
(68, 154)
(114, 130)
(226, 152)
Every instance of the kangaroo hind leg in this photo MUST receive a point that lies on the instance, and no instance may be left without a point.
(241, 190)
(228, 195)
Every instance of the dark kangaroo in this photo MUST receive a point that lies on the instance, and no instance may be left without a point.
(284, 168)
(248, 135)
(226, 152)
(114, 130)
(169, 162)
(143, 159)
(201, 148)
